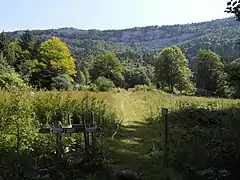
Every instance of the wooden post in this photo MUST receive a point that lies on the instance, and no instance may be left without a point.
(85, 135)
(59, 135)
(74, 128)
(165, 114)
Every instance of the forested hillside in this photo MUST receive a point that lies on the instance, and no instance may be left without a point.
(198, 59)
(218, 35)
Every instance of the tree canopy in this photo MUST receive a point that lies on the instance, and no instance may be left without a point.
(233, 6)
(56, 53)
(55, 60)
(107, 65)
(209, 71)
(233, 71)
(172, 69)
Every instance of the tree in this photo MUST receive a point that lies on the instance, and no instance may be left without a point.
(8, 76)
(14, 53)
(56, 55)
(81, 78)
(26, 69)
(55, 60)
(4, 66)
(136, 76)
(26, 41)
(233, 76)
(107, 65)
(61, 82)
(104, 84)
(87, 76)
(233, 6)
(3, 45)
(209, 72)
(36, 49)
(172, 69)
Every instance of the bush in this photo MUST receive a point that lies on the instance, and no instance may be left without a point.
(81, 87)
(203, 135)
(142, 88)
(11, 80)
(61, 82)
(104, 84)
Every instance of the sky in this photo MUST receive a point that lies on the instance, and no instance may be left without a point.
(105, 14)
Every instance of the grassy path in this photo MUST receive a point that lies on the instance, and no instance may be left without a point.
(134, 146)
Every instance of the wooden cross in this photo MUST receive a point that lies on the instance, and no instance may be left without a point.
(77, 127)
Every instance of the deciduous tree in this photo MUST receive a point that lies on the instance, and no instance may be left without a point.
(55, 60)
(209, 71)
(172, 69)
(233, 74)
(107, 65)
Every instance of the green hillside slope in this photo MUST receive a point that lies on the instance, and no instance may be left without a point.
(218, 35)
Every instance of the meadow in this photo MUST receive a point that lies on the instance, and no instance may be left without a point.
(203, 135)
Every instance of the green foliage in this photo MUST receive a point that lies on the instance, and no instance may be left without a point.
(55, 67)
(80, 76)
(209, 72)
(104, 84)
(93, 87)
(4, 66)
(22, 113)
(56, 54)
(25, 41)
(23, 54)
(11, 80)
(136, 76)
(172, 69)
(142, 88)
(141, 44)
(3, 45)
(27, 68)
(233, 71)
(17, 123)
(107, 65)
(8, 76)
(61, 82)
(207, 138)
(87, 76)
(14, 53)
(203, 135)
(138, 57)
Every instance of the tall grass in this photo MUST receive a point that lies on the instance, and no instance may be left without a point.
(23, 113)
(203, 135)
(202, 130)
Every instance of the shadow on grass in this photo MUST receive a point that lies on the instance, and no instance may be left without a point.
(203, 144)
(135, 148)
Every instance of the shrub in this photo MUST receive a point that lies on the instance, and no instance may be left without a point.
(11, 80)
(142, 88)
(104, 84)
(203, 134)
(61, 82)
(93, 87)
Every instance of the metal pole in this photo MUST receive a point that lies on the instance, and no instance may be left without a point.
(59, 135)
(93, 135)
(85, 135)
(165, 114)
